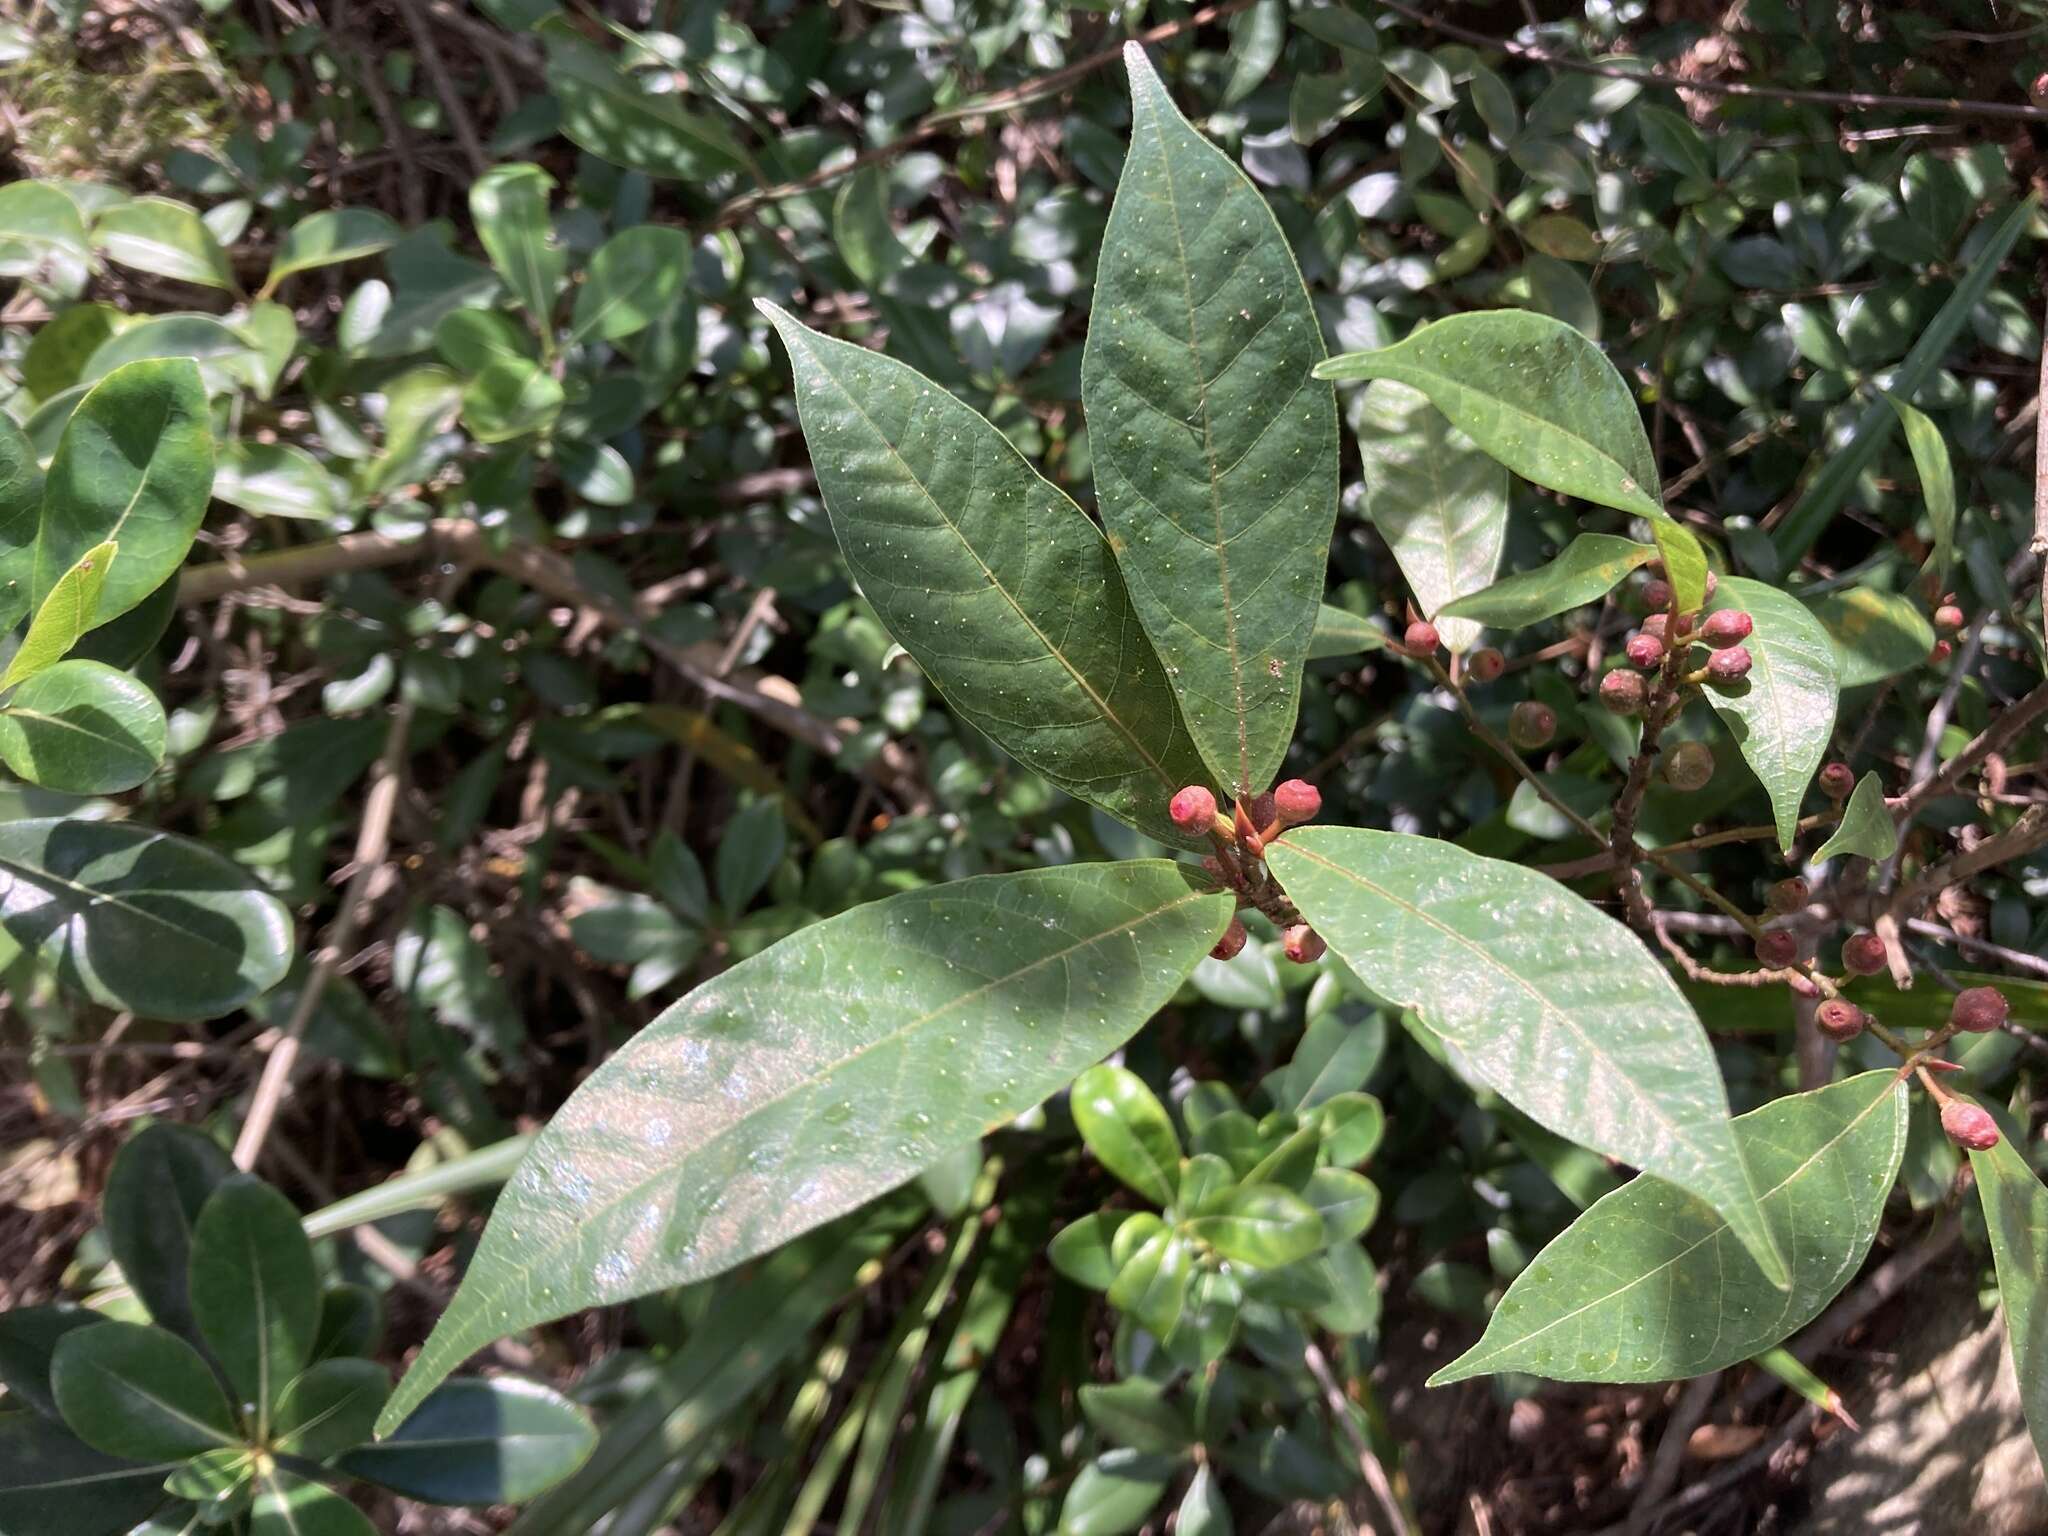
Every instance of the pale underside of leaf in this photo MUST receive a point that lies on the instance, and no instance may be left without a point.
(826, 1070)
(1784, 716)
(1590, 567)
(1545, 999)
(1650, 1285)
(994, 581)
(1215, 448)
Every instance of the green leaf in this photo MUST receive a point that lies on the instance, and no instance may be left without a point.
(228, 360)
(1440, 503)
(1347, 1202)
(1262, 1225)
(863, 230)
(255, 1294)
(103, 902)
(1115, 1492)
(478, 1441)
(2016, 1215)
(1534, 393)
(510, 206)
(39, 224)
(999, 586)
(327, 238)
(834, 1065)
(1203, 1509)
(330, 1407)
(160, 1181)
(1671, 137)
(277, 480)
(1590, 567)
(1215, 449)
(289, 1506)
(21, 509)
(1650, 1285)
(1153, 1281)
(605, 111)
(1937, 483)
(635, 279)
(1139, 1414)
(1866, 827)
(50, 1481)
(1127, 1129)
(1081, 1250)
(64, 614)
(1339, 632)
(1842, 467)
(167, 239)
(131, 1390)
(1877, 634)
(1783, 714)
(1545, 999)
(82, 728)
(511, 397)
(28, 1339)
(135, 465)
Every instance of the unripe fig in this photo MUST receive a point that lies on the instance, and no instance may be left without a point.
(1837, 780)
(1790, 895)
(1645, 650)
(1657, 595)
(1486, 664)
(1948, 617)
(1622, 692)
(1729, 666)
(1531, 725)
(1777, 948)
(1863, 953)
(1655, 624)
(1303, 945)
(1193, 809)
(1968, 1126)
(1297, 801)
(1421, 637)
(1979, 1010)
(1689, 765)
(1839, 1019)
(1232, 941)
(1730, 626)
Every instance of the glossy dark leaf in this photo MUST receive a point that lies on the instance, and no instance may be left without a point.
(1215, 449)
(161, 1180)
(1127, 1129)
(103, 902)
(1261, 1225)
(478, 1441)
(131, 1390)
(82, 728)
(810, 1078)
(52, 1482)
(28, 1339)
(330, 1407)
(255, 1294)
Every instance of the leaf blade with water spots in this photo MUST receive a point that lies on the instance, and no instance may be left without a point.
(2016, 1214)
(1548, 1001)
(1215, 448)
(748, 1113)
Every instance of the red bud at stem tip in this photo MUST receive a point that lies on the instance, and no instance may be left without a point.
(1193, 809)
(1297, 801)
(1645, 650)
(1731, 626)
(1421, 638)
(1863, 953)
(1948, 617)
(1777, 949)
(1303, 945)
(1979, 1010)
(1968, 1126)
(1232, 941)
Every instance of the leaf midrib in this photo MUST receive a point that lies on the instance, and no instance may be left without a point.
(98, 898)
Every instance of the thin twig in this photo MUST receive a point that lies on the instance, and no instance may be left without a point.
(1368, 1464)
(444, 87)
(373, 842)
(1669, 1459)
(2005, 728)
(2015, 959)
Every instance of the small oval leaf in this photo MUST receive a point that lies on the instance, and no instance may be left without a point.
(479, 1441)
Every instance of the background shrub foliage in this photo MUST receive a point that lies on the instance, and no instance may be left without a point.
(512, 518)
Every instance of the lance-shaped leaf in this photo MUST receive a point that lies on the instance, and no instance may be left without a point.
(1440, 503)
(1590, 567)
(1650, 1285)
(1866, 827)
(1546, 1000)
(1215, 448)
(1340, 632)
(1127, 1129)
(828, 1068)
(1937, 483)
(62, 616)
(82, 728)
(1545, 401)
(997, 584)
(135, 465)
(1783, 713)
(2016, 1215)
(103, 903)
(635, 279)
(606, 111)
(255, 1294)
